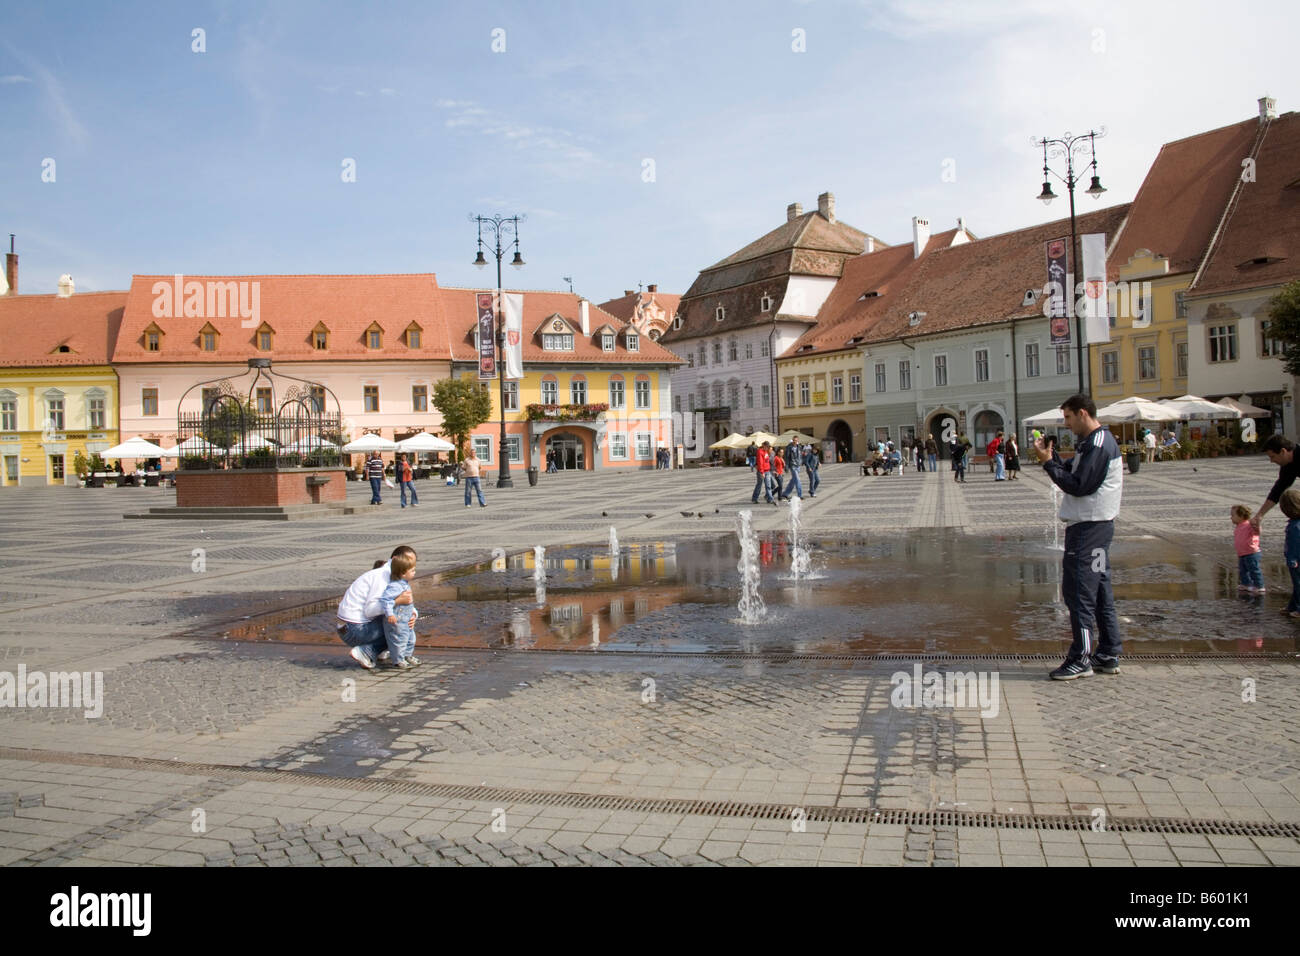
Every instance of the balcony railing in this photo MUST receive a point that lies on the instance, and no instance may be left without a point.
(537, 412)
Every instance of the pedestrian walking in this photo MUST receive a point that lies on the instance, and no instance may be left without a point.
(1149, 442)
(471, 467)
(812, 464)
(1011, 449)
(375, 472)
(995, 454)
(1281, 452)
(1245, 538)
(550, 462)
(1290, 504)
(1092, 482)
(763, 464)
(778, 473)
(751, 455)
(793, 459)
(959, 461)
(932, 452)
(406, 482)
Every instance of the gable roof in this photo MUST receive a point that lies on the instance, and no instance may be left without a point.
(812, 230)
(33, 327)
(294, 306)
(1264, 223)
(461, 309)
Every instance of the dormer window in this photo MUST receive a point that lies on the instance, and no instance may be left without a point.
(557, 337)
(413, 336)
(320, 337)
(607, 341)
(152, 338)
(677, 322)
(265, 337)
(208, 337)
(633, 342)
(765, 303)
(719, 314)
(374, 336)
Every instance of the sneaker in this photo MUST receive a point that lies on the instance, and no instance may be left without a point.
(468, 505)
(1105, 665)
(383, 656)
(1258, 590)
(1072, 669)
(413, 661)
(482, 505)
(400, 665)
(361, 657)
(1293, 614)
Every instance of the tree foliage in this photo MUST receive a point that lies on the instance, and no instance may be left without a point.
(465, 404)
(1284, 324)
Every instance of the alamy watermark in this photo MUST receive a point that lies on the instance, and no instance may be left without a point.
(211, 299)
(955, 689)
(75, 689)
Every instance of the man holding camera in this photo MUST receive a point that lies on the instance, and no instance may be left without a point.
(1092, 482)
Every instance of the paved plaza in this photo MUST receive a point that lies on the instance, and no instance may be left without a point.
(218, 752)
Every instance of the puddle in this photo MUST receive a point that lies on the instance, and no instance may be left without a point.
(915, 592)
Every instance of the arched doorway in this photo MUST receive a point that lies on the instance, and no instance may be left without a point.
(570, 451)
(843, 435)
(937, 425)
(986, 426)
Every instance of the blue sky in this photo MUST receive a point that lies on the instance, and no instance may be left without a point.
(229, 161)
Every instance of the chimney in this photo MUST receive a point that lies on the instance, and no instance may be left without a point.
(11, 267)
(920, 235)
(652, 287)
(1267, 109)
(66, 288)
(582, 313)
(870, 245)
(627, 291)
(793, 211)
(826, 206)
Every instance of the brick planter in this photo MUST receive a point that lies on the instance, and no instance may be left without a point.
(260, 487)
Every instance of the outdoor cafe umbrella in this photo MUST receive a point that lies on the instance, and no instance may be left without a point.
(1051, 417)
(1135, 409)
(1247, 410)
(733, 441)
(251, 443)
(135, 447)
(789, 435)
(1193, 406)
(194, 445)
(759, 437)
(425, 442)
(370, 443)
(312, 443)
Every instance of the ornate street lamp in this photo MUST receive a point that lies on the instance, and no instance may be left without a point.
(498, 225)
(1064, 148)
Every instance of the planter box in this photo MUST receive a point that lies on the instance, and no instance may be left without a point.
(260, 487)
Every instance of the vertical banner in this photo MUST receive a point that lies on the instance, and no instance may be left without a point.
(513, 306)
(1096, 304)
(1054, 306)
(487, 339)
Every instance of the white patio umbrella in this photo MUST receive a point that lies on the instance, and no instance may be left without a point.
(194, 445)
(425, 442)
(1135, 409)
(1193, 406)
(1053, 416)
(135, 447)
(733, 441)
(1247, 410)
(370, 443)
(251, 443)
(312, 443)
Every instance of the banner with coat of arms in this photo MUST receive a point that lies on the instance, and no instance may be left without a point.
(1096, 308)
(487, 338)
(513, 306)
(1054, 304)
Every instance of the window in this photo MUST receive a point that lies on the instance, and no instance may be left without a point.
(690, 402)
(749, 350)
(642, 393)
(617, 395)
(733, 396)
(1147, 362)
(557, 342)
(1110, 367)
(690, 360)
(732, 353)
(412, 338)
(789, 394)
(318, 399)
(643, 443)
(514, 450)
(1180, 307)
(374, 339)
(264, 401)
(940, 371)
(905, 374)
(805, 392)
(633, 342)
(1268, 346)
(717, 394)
(837, 389)
(512, 396)
(151, 340)
(264, 341)
(149, 401)
(9, 415)
(704, 358)
(55, 408)
(765, 303)
(56, 467)
(1031, 360)
(97, 413)
(210, 395)
(719, 313)
(483, 448)
(766, 393)
(550, 392)
(677, 403)
(607, 341)
(209, 341)
(717, 353)
(578, 391)
(981, 365)
(618, 446)
(764, 348)
(371, 393)
(880, 376)
(855, 388)
(1063, 361)
(320, 340)
(420, 397)
(749, 396)
(1180, 362)
(704, 396)
(1223, 343)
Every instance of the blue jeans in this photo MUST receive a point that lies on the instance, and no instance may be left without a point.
(473, 483)
(1000, 466)
(1294, 604)
(814, 480)
(1249, 573)
(934, 461)
(409, 486)
(793, 483)
(370, 635)
(1086, 590)
(764, 485)
(400, 636)
(375, 484)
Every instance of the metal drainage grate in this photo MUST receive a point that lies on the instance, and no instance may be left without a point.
(708, 808)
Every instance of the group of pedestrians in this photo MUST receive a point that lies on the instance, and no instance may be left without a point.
(770, 465)
(470, 469)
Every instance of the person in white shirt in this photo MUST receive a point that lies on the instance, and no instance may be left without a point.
(361, 619)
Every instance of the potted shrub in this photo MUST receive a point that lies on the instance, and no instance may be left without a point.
(1212, 445)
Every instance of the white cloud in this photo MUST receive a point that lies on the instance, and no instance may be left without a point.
(554, 148)
(15, 78)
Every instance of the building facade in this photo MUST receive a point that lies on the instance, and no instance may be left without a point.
(650, 312)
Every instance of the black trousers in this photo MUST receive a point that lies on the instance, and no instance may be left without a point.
(1085, 588)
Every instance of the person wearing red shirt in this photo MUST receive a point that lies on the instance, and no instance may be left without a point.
(996, 459)
(763, 465)
(406, 482)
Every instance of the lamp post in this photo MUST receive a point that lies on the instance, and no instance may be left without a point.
(1064, 148)
(498, 225)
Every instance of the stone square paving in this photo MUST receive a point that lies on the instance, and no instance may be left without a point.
(280, 752)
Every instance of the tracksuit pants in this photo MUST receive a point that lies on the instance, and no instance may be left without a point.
(1086, 590)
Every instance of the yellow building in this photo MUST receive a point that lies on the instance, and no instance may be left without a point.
(58, 392)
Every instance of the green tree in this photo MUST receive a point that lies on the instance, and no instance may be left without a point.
(465, 404)
(1284, 324)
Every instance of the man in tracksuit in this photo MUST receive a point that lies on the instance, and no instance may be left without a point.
(1092, 481)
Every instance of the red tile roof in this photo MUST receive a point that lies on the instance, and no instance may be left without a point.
(1183, 197)
(1265, 223)
(293, 306)
(461, 310)
(624, 307)
(811, 230)
(34, 327)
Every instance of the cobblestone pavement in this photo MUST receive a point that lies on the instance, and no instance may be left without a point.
(212, 752)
